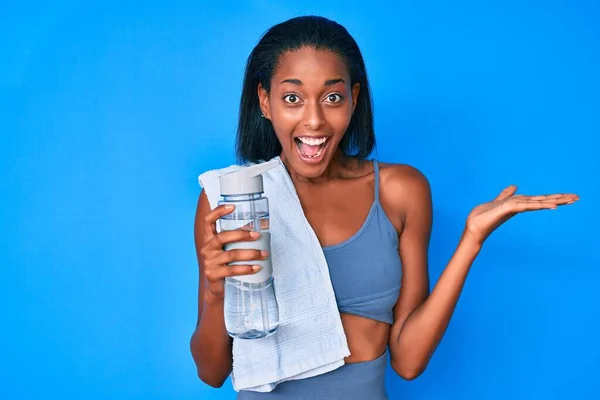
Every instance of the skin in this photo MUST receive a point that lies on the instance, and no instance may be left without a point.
(311, 95)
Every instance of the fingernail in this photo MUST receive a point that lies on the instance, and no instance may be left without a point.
(229, 207)
(254, 234)
(264, 253)
(256, 267)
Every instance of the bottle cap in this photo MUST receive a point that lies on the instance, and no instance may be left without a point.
(248, 180)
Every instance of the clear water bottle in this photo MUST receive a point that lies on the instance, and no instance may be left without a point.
(250, 304)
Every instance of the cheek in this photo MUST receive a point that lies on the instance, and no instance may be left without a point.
(280, 136)
(283, 120)
(340, 118)
(282, 129)
(285, 115)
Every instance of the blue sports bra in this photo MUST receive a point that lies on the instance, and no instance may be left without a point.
(365, 270)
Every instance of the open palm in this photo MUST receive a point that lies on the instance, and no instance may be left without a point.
(485, 218)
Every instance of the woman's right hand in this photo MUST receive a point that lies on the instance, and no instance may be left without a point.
(215, 258)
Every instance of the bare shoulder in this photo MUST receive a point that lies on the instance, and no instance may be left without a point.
(404, 188)
(403, 179)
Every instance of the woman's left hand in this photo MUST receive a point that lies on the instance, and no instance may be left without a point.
(485, 218)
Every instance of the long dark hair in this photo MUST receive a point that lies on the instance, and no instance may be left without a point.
(256, 138)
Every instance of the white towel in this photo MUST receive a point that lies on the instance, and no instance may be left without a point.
(310, 339)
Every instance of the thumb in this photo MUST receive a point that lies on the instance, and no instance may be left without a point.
(506, 193)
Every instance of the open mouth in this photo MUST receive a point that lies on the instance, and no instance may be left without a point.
(311, 149)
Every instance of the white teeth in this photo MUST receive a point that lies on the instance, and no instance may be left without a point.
(312, 141)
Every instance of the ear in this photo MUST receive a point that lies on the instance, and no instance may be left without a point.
(263, 101)
(355, 91)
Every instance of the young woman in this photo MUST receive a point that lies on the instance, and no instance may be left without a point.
(306, 98)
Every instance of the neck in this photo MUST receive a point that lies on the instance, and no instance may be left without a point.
(335, 169)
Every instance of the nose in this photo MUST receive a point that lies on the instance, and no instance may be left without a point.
(313, 116)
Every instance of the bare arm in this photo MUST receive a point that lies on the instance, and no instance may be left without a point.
(210, 344)
(421, 319)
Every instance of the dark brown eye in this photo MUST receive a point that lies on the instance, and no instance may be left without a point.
(291, 98)
(334, 98)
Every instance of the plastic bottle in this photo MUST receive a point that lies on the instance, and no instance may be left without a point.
(250, 303)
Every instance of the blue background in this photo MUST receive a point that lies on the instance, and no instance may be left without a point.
(108, 112)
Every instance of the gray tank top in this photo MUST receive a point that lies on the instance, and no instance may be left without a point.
(365, 270)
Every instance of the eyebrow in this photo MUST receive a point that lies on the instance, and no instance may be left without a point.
(327, 82)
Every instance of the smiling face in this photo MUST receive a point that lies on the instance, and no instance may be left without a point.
(310, 105)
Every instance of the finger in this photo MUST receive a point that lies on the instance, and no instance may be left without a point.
(234, 255)
(523, 206)
(551, 196)
(506, 193)
(237, 235)
(214, 275)
(556, 200)
(210, 219)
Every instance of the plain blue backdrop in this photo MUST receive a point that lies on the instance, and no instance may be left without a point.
(109, 111)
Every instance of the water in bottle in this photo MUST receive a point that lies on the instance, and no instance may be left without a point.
(250, 304)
